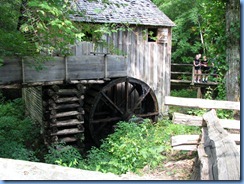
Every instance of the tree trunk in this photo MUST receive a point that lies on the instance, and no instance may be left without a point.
(233, 50)
(22, 11)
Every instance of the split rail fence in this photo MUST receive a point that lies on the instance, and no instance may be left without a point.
(218, 146)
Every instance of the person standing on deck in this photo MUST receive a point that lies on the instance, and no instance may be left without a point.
(197, 71)
(205, 69)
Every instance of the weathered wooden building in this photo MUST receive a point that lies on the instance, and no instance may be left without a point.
(97, 87)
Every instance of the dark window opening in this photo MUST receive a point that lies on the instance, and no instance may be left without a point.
(152, 34)
(88, 36)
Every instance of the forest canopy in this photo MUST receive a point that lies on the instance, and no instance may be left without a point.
(200, 27)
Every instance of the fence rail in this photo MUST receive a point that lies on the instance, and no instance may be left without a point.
(218, 146)
(188, 71)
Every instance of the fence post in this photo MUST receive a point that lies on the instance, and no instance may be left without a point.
(192, 75)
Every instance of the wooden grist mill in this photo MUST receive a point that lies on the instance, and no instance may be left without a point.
(92, 90)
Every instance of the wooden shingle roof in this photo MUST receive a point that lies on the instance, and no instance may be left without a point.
(139, 12)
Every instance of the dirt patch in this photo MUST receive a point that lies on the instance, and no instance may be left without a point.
(171, 170)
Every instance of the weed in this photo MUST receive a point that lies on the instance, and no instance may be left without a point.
(16, 132)
(62, 154)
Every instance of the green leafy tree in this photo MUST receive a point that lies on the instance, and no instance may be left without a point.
(36, 28)
(200, 27)
(47, 24)
(211, 28)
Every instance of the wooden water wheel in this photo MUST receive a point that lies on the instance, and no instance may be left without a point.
(117, 100)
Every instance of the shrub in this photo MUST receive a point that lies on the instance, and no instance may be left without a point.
(64, 155)
(17, 134)
(18, 151)
(134, 146)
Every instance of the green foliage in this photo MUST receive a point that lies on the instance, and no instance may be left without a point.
(16, 150)
(196, 111)
(225, 114)
(134, 146)
(12, 42)
(187, 93)
(130, 148)
(35, 28)
(64, 155)
(194, 18)
(73, 163)
(49, 26)
(17, 132)
(170, 129)
(200, 28)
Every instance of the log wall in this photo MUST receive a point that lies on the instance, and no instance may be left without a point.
(58, 110)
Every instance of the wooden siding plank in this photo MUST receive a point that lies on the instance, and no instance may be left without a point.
(155, 67)
(33, 99)
(10, 72)
(53, 71)
(116, 66)
(87, 67)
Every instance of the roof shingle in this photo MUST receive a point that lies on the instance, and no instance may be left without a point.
(139, 12)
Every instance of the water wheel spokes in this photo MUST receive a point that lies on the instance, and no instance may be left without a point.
(118, 100)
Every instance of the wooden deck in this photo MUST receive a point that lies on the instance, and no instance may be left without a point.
(181, 70)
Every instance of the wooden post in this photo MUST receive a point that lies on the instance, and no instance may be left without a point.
(222, 152)
(199, 92)
(192, 75)
(23, 70)
(66, 67)
(105, 66)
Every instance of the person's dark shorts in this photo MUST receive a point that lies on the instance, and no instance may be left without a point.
(197, 67)
(205, 69)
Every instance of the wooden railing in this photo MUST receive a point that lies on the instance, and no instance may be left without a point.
(218, 146)
(182, 73)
